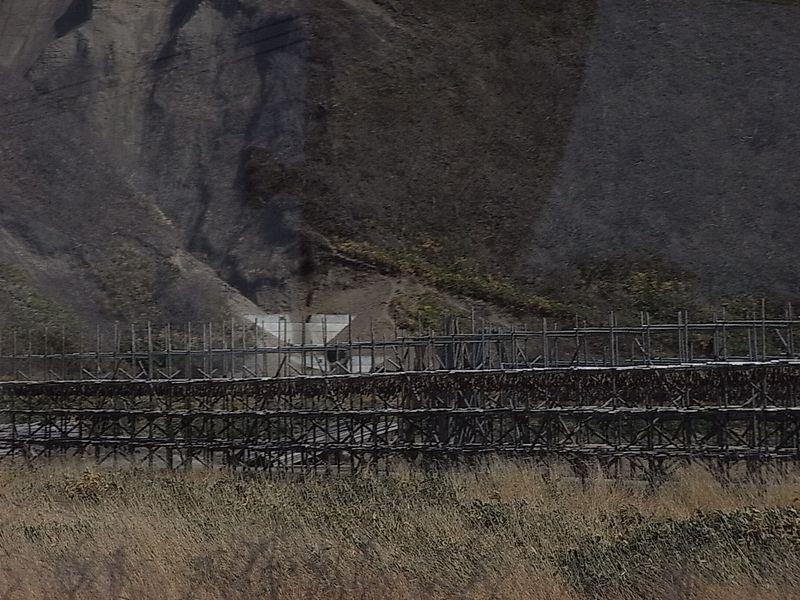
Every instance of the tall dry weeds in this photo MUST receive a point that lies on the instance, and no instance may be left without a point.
(498, 531)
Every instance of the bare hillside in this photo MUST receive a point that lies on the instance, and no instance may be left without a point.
(187, 158)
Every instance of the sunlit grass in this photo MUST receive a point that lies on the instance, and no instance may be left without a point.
(497, 531)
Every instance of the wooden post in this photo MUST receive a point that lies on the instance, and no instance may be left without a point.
(372, 344)
(46, 352)
(545, 349)
(223, 356)
(687, 346)
(350, 343)
(554, 358)
(724, 335)
(149, 351)
(169, 350)
(715, 338)
(97, 369)
(80, 354)
(232, 349)
(764, 353)
(210, 352)
(484, 352)
(134, 362)
(612, 339)
(63, 352)
(14, 354)
(577, 341)
(188, 365)
(30, 355)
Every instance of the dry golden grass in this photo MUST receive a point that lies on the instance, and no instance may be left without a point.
(499, 531)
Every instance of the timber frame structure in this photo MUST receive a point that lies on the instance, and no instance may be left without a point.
(247, 349)
(629, 419)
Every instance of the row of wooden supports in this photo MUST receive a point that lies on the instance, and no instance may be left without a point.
(728, 412)
(241, 350)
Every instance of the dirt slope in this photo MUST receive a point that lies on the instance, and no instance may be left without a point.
(186, 158)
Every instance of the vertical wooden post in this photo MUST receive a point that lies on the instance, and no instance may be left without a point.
(149, 351)
(383, 345)
(350, 343)
(188, 365)
(715, 337)
(641, 335)
(223, 356)
(687, 343)
(764, 353)
(484, 349)
(31, 375)
(372, 344)
(577, 341)
(256, 352)
(204, 351)
(612, 338)
(545, 349)
(97, 369)
(115, 350)
(279, 352)
(168, 343)
(554, 357)
(80, 354)
(46, 357)
(14, 367)
(288, 347)
(64, 352)
(134, 362)
(303, 351)
(232, 349)
(432, 364)
(210, 352)
(245, 353)
(724, 334)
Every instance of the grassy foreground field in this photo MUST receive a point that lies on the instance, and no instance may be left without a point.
(499, 531)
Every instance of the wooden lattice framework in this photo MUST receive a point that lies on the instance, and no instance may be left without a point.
(244, 350)
(642, 418)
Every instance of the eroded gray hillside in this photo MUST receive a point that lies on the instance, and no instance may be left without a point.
(685, 146)
(125, 125)
(186, 158)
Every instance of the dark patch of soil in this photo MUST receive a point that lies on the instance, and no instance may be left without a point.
(78, 13)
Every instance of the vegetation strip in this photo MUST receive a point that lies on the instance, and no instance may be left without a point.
(467, 283)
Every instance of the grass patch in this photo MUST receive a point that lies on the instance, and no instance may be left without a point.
(717, 546)
(464, 281)
(496, 531)
(423, 312)
(133, 281)
(24, 308)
